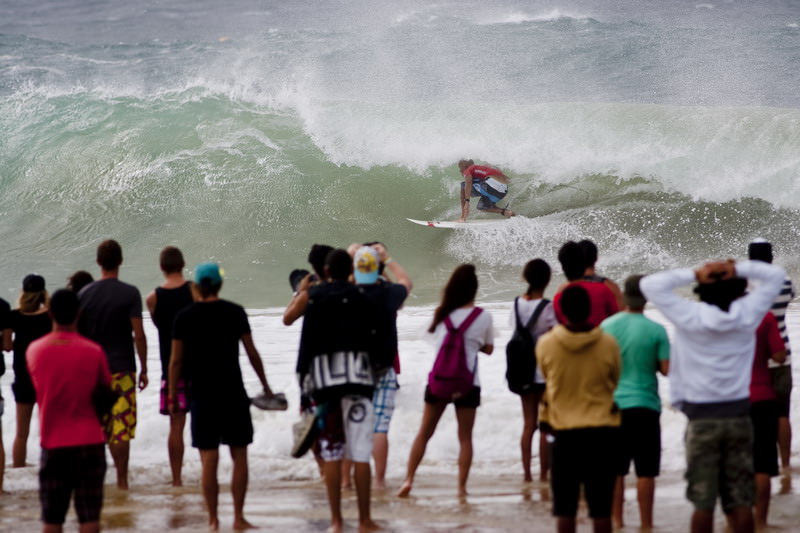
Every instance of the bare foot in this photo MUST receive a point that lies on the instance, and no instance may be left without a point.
(508, 213)
(122, 484)
(242, 524)
(405, 490)
(177, 483)
(378, 484)
(347, 485)
(461, 220)
(367, 526)
(462, 492)
(213, 524)
(528, 478)
(336, 527)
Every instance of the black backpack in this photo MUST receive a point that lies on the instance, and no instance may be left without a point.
(520, 356)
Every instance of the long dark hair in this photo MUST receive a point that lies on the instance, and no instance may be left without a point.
(459, 291)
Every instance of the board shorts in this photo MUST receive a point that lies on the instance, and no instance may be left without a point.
(78, 469)
(585, 456)
(782, 384)
(121, 425)
(214, 423)
(383, 400)
(764, 416)
(183, 397)
(490, 191)
(719, 462)
(640, 442)
(345, 428)
(472, 399)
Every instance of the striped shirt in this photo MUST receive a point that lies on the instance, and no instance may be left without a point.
(779, 310)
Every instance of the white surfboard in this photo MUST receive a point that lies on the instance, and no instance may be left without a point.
(452, 224)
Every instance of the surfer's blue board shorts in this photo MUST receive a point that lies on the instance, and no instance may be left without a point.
(488, 195)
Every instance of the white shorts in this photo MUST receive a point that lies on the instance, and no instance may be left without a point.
(347, 427)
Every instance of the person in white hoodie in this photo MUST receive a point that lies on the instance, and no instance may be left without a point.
(714, 345)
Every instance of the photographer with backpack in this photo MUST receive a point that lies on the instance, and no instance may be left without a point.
(531, 315)
(460, 330)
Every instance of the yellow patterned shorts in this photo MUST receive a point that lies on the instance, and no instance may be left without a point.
(121, 426)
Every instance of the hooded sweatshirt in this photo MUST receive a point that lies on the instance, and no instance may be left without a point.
(581, 370)
(712, 352)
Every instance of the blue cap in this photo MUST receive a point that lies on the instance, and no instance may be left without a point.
(208, 274)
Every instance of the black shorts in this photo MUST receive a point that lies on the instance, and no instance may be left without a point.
(471, 399)
(765, 433)
(78, 469)
(215, 423)
(587, 457)
(781, 377)
(23, 388)
(640, 442)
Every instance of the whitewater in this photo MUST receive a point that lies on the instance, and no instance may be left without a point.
(244, 132)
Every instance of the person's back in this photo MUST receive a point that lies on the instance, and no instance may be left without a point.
(712, 345)
(68, 371)
(602, 300)
(65, 368)
(169, 302)
(581, 365)
(581, 370)
(107, 306)
(643, 345)
(211, 332)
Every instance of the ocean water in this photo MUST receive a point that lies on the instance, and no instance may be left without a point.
(245, 131)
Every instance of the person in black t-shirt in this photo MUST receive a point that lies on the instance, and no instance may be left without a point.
(111, 315)
(205, 343)
(164, 303)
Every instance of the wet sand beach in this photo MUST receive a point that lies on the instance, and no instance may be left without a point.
(495, 503)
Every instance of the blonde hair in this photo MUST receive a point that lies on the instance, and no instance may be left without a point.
(30, 302)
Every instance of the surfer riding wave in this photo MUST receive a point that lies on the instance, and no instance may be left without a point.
(488, 183)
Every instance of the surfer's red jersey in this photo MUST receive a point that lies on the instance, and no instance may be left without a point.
(481, 172)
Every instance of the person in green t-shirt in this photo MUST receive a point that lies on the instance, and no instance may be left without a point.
(644, 349)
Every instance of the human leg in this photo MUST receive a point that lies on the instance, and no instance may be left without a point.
(430, 418)
(530, 417)
(380, 454)
(645, 494)
(175, 447)
(90, 468)
(465, 416)
(19, 449)
(763, 489)
(210, 461)
(239, 480)
(120, 453)
(618, 503)
(383, 402)
(544, 455)
(363, 478)
(347, 474)
(333, 486)
(740, 520)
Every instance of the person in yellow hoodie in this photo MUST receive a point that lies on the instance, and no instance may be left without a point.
(581, 366)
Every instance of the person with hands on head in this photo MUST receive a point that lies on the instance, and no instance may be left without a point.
(714, 340)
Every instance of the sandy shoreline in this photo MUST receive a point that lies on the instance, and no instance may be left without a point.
(495, 503)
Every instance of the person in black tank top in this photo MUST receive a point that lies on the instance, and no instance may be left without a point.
(164, 303)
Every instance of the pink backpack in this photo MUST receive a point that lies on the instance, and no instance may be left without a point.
(450, 377)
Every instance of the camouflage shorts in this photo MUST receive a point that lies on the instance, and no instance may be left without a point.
(719, 462)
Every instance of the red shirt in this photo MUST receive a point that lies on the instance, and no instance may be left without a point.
(65, 368)
(479, 172)
(602, 301)
(768, 342)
